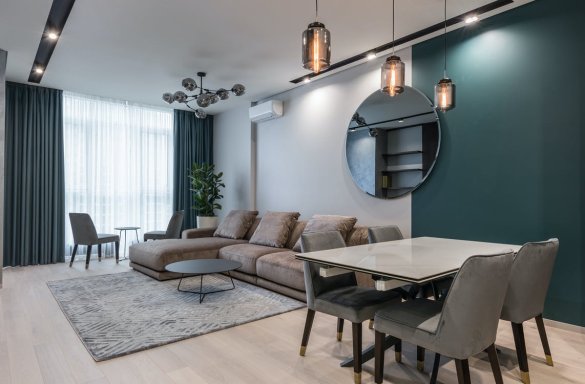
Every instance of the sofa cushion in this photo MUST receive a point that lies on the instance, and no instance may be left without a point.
(323, 223)
(274, 229)
(247, 254)
(236, 224)
(357, 236)
(252, 229)
(295, 234)
(282, 268)
(157, 254)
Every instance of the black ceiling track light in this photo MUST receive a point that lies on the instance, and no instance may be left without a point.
(403, 40)
(60, 10)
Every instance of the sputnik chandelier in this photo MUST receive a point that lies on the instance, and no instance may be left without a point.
(204, 98)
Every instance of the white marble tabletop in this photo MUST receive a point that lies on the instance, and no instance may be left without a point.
(416, 260)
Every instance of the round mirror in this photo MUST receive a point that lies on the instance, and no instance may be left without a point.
(392, 143)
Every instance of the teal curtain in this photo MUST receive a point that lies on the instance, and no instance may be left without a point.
(34, 200)
(193, 142)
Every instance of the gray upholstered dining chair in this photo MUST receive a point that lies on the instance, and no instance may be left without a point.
(173, 229)
(339, 296)
(84, 233)
(384, 233)
(531, 273)
(460, 327)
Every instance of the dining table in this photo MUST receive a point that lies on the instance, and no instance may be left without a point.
(417, 260)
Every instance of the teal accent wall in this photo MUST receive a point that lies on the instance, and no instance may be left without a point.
(512, 162)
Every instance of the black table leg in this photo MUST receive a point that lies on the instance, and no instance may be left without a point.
(368, 353)
(200, 291)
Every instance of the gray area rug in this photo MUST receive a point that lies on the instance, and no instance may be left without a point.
(123, 313)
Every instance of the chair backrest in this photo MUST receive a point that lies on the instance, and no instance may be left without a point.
(83, 229)
(471, 311)
(314, 283)
(531, 273)
(175, 225)
(384, 233)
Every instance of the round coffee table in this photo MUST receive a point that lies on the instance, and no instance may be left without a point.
(203, 267)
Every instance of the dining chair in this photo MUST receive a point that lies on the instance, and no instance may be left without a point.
(531, 274)
(173, 229)
(84, 233)
(339, 296)
(462, 325)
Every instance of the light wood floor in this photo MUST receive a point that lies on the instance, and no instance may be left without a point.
(37, 345)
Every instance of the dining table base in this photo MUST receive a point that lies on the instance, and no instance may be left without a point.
(368, 353)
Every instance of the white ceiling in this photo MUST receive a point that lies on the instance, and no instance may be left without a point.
(137, 49)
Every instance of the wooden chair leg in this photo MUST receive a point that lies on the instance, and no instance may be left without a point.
(463, 375)
(544, 339)
(357, 352)
(87, 256)
(73, 255)
(518, 332)
(379, 356)
(99, 252)
(117, 252)
(339, 328)
(495, 363)
(307, 331)
(398, 351)
(420, 358)
(435, 372)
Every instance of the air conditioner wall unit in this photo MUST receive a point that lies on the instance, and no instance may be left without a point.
(268, 110)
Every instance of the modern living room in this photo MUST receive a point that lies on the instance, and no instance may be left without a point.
(314, 192)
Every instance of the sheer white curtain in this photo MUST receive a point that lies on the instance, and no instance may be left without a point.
(118, 164)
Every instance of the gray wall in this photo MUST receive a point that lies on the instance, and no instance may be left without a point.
(232, 148)
(2, 133)
(301, 163)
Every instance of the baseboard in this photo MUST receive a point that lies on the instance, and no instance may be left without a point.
(564, 326)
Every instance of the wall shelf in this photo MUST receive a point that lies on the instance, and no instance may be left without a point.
(402, 153)
(403, 168)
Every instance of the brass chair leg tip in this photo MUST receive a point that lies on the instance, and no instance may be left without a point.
(549, 360)
(398, 357)
(339, 336)
(420, 365)
(357, 377)
(525, 377)
(303, 350)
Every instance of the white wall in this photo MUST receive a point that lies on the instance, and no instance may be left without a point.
(2, 136)
(232, 153)
(301, 163)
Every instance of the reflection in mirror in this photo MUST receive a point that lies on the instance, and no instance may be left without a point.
(392, 143)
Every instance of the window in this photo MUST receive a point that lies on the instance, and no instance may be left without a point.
(118, 164)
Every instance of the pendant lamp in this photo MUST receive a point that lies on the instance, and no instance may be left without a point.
(316, 45)
(445, 89)
(393, 70)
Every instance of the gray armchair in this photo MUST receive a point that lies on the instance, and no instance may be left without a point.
(461, 326)
(339, 296)
(84, 233)
(173, 229)
(526, 294)
(384, 233)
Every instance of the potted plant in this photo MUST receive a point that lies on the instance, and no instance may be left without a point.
(206, 185)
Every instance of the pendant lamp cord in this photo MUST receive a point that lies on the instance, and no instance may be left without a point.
(445, 43)
(393, 23)
(316, 9)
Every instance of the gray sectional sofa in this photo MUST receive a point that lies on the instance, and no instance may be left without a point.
(274, 268)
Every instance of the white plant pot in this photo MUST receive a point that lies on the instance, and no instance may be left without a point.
(207, 221)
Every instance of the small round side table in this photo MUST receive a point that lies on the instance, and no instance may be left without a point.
(126, 229)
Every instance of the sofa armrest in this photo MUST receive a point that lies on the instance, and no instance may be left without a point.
(195, 233)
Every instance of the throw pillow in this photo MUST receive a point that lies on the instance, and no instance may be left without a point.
(236, 224)
(274, 229)
(323, 223)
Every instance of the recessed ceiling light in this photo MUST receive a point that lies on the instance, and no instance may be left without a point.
(371, 56)
(39, 70)
(471, 19)
(307, 80)
(401, 121)
(52, 35)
